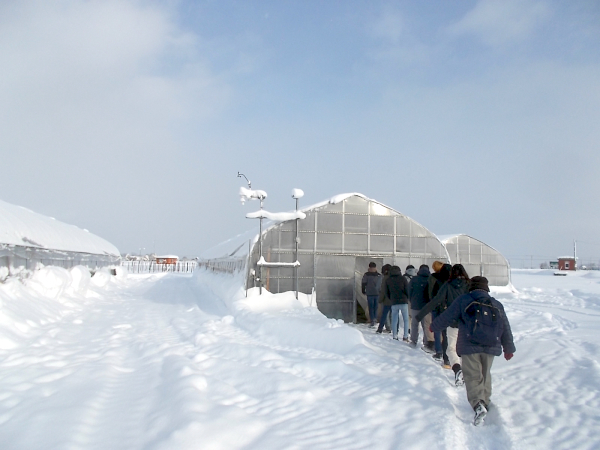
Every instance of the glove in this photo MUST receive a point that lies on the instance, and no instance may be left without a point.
(508, 356)
(430, 328)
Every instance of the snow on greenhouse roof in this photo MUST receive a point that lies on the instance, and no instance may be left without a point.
(23, 227)
(238, 246)
(446, 237)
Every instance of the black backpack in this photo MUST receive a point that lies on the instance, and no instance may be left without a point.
(485, 324)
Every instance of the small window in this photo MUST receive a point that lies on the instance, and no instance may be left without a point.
(567, 265)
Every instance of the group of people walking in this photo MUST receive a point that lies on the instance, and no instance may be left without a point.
(463, 326)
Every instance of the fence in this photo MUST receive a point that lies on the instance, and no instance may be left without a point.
(154, 267)
(230, 266)
(22, 260)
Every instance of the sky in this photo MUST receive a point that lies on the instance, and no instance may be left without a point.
(132, 118)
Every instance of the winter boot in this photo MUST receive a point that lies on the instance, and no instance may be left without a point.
(480, 413)
(437, 356)
(429, 347)
(459, 379)
(446, 363)
(458, 375)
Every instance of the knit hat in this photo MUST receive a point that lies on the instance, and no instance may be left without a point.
(437, 265)
(479, 283)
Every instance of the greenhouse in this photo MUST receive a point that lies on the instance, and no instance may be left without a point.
(29, 240)
(478, 258)
(336, 241)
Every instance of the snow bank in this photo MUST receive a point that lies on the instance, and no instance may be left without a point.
(281, 319)
(188, 361)
(47, 297)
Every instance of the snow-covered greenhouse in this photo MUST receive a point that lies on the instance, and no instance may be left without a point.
(29, 240)
(478, 258)
(336, 241)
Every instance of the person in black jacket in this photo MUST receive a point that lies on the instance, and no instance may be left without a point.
(457, 285)
(418, 299)
(436, 280)
(383, 298)
(371, 284)
(396, 290)
(477, 357)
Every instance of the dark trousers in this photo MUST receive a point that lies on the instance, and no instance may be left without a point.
(384, 315)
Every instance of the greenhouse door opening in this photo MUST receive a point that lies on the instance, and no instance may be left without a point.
(361, 265)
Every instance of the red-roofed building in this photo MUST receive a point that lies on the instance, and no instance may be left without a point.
(167, 259)
(567, 263)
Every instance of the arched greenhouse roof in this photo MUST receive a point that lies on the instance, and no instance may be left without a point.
(237, 247)
(24, 228)
(478, 258)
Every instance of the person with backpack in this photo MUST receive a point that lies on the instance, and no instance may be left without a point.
(371, 284)
(457, 285)
(483, 333)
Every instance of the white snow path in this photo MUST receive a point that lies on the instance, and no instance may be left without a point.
(169, 362)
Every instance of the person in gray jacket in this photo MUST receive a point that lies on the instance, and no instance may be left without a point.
(371, 285)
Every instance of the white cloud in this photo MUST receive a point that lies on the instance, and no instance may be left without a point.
(99, 76)
(500, 22)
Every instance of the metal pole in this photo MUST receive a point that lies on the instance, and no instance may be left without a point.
(248, 264)
(354, 300)
(260, 281)
(296, 267)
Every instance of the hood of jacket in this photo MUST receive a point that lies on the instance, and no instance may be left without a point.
(423, 272)
(459, 283)
(395, 272)
(478, 294)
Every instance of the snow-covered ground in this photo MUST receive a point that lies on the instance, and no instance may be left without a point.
(187, 362)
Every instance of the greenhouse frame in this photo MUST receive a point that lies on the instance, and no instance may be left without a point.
(337, 240)
(478, 258)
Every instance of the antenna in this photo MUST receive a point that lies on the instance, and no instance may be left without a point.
(240, 175)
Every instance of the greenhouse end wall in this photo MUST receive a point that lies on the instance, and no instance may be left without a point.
(337, 240)
(478, 258)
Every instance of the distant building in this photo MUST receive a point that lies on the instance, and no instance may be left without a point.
(553, 264)
(167, 259)
(567, 263)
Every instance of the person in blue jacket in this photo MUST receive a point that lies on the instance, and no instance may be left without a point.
(477, 357)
